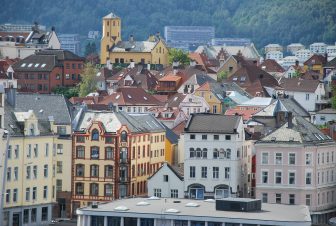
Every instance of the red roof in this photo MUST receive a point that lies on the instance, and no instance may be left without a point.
(271, 65)
(247, 114)
(316, 59)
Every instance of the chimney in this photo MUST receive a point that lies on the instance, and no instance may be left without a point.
(290, 119)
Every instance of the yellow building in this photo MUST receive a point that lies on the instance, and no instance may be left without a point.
(114, 154)
(38, 159)
(315, 63)
(152, 51)
(213, 95)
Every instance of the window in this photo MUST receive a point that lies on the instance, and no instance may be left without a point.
(227, 172)
(308, 177)
(45, 170)
(264, 177)
(191, 152)
(173, 193)
(94, 188)
(307, 96)
(27, 194)
(44, 216)
(264, 197)
(95, 135)
(215, 153)
(215, 172)
(28, 172)
(79, 188)
(46, 151)
(109, 140)
(108, 190)
(9, 174)
(45, 192)
(108, 171)
(34, 194)
(308, 199)
(16, 151)
(308, 158)
(33, 215)
(8, 195)
(59, 167)
(80, 152)
(228, 153)
(26, 216)
(216, 137)
(59, 185)
(278, 177)
(157, 192)
(15, 194)
(109, 153)
(204, 137)
(192, 172)
(94, 170)
(278, 198)
(94, 152)
(80, 139)
(9, 152)
(16, 173)
(61, 130)
(291, 159)
(227, 137)
(165, 178)
(123, 136)
(204, 172)
(29, 151)
(292, 199)
(80, 170)
(59, 149)
(278, 158)
(192, 136)
(34, 172)
(291, 178)
(264, 158)
(35, 150)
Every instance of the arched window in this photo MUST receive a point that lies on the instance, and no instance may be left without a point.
(95, 135)
(94, 170)
(94, 152)
(198, 153)
(94, 188)
(228, 153)
(222, 153)
(80, 170)
(205, 153)
(215, 153)
(123, 136)
(192, 153)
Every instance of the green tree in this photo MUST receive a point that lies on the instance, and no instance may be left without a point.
(222, 76)
(296, 74)
(68, 92)
(89, 82)
(178, 55)
(333, 99)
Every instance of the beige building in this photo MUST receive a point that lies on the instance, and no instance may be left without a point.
(37, 186)
(114, 154)
(113, 48)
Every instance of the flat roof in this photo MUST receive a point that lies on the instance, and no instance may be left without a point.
(205, 210)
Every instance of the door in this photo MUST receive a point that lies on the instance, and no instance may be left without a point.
(16, 219)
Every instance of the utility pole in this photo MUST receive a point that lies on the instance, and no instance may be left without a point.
(4, 172)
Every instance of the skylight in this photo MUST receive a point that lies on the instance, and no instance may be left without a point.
(121, 208)
(142, 204)
(192, 204)
(235, 79)
(23, 65)
(129, 96)
(145, 98)
(209, 200)
(117, 97)
(36, 65)
(29, 65)
(43, 65)
(153, 198)
(172, 210)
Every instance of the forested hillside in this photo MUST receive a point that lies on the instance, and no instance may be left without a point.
(264, 21)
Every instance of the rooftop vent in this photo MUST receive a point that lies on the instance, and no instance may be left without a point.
(192, 204)
(172, 210)
(238, 204)
(210, 200)
(142, 204)
(94, 205)
(153, 198)
(121, 208)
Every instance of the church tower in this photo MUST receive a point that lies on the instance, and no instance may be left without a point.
(111, 35)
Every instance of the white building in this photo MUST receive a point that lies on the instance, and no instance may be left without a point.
(166, 182)
(274, 55)
(183, 212)
(288, 61)
(273, 47)
(294, 47)
(7, 78)
(212, 153)
(303, 55)
(318, 47)
(331, 51)
(324, 116)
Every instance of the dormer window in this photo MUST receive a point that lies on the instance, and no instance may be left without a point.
(95, 135)
(32, 130)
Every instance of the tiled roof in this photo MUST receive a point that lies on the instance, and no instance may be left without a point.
(327, 111)
(36, 63)
(212, 123)
(299, 84)
(60, 54)
(331, 63)
(169, 78)
(175, 100)
(178, 171)
(316, 59)
(271, 65)
(302, 132)
(246, 114)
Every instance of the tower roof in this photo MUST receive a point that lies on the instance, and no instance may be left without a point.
(110, 16)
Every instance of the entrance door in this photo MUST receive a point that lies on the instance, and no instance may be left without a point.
(16, 219)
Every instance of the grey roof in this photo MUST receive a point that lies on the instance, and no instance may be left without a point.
(44, 105)
(134, 46)
(110, 16)
(327, 111)
(36, 63)
(302, 132)
(199, 79)
(178, 171)
(61, 54)
(112, 121)
(170, 135)
(212, 123)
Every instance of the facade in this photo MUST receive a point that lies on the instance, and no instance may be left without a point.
(273, 47)
(274, 55)
(316, 64)
(48, 69)
(166, 182)
(331, 51)
(288, 61)
(323, 117)
(156, 211)
(294, 47)
(7, 75)
(303, 55)
(188, 36)
(318, 48)
(70, 42)
(212, 150)
(114, 153)
(295, 165)
(152, 51)
(20, 27)
(230, 41)
(39, 159)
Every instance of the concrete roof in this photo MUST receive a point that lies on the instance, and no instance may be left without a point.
(206, 209)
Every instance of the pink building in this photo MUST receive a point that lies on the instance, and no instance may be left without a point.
(296, 165)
